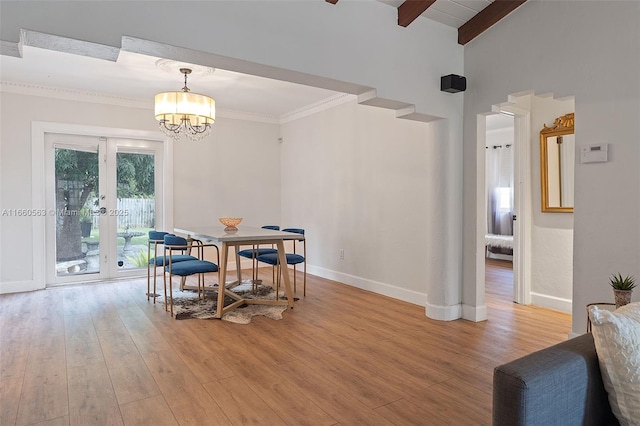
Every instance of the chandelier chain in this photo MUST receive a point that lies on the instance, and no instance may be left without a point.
(186, 72)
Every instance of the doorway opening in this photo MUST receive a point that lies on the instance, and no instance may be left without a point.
(82, 174)
(499, 199)
(542, 241)
(106, 195)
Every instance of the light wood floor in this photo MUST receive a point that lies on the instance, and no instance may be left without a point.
(101, 354)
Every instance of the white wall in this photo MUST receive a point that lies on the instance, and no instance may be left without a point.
(200, 190)
(16, 114)
(233, 173)
(552, 233)
(355, 177)
(358, 179)
(352, 42)
(599, 68)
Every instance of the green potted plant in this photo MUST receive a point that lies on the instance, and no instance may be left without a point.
(622, 288)
(85, 222)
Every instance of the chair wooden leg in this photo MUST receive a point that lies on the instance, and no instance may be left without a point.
(149, 272)
(201, 283)
(155, 291)
(199, 297)
(294, 278)
(165, 290)
(149, 282)
(171, 294)
(254, 275)
(183, 281)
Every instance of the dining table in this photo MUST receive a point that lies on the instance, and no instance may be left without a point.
(243, 236)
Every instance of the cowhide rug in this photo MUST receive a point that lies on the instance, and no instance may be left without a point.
(186, 304)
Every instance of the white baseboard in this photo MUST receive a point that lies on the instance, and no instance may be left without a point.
(474, 313)
(500, 256)
(552, 302)
(19, 286)
(443, 313)
(403, 294)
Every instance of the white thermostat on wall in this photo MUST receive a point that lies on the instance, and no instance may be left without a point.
(594, 153)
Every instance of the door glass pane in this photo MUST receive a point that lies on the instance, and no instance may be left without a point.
(76, 186)
(135, 213)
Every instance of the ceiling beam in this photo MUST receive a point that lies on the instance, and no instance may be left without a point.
(332, 1)
(411, 9)
(485, 19)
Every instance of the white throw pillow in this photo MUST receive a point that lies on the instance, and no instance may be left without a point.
(617, 339)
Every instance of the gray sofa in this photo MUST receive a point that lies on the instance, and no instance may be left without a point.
(559, 385)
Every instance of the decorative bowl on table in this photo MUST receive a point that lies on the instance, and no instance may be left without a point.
(231, 223)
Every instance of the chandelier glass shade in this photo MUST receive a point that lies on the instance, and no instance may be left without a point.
(185, 113)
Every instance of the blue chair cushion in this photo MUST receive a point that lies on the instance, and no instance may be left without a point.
(272, 258)
(157, 235)
(248, 253)
(174, 240)
(190, 267)
(295, 231)
(159, 261)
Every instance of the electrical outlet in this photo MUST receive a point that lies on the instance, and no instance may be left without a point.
(341, 254)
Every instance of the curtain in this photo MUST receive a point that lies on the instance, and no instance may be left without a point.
(499, 178)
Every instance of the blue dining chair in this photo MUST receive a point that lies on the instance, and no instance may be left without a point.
(156, 239)
(256, 251)
(185, 268)
(292, 259)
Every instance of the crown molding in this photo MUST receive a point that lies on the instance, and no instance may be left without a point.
(102, 98)
(123, 101)
(247, 116)
(72, 95)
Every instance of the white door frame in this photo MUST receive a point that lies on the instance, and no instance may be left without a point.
(522, 204)
(38, 192)
(130, 145)
(80, 143)
(522, 207)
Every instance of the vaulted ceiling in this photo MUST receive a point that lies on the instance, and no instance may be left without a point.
(134, 79)
(471, 17)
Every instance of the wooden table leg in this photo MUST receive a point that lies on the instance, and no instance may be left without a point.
(223, 279)
(238, 268)
(284, 270)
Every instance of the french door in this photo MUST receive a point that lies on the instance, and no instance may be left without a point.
(103, 195)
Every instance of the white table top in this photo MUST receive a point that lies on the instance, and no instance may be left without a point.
(244, 233)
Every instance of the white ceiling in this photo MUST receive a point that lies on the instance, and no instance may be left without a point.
(453, 13)
(134, 77)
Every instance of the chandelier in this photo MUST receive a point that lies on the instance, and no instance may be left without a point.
(185, 113)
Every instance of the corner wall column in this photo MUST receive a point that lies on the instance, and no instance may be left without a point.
(444, 245)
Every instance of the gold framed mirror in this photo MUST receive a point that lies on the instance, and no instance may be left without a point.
(557, 163)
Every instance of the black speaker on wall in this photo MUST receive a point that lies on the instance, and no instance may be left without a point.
(453, 83)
